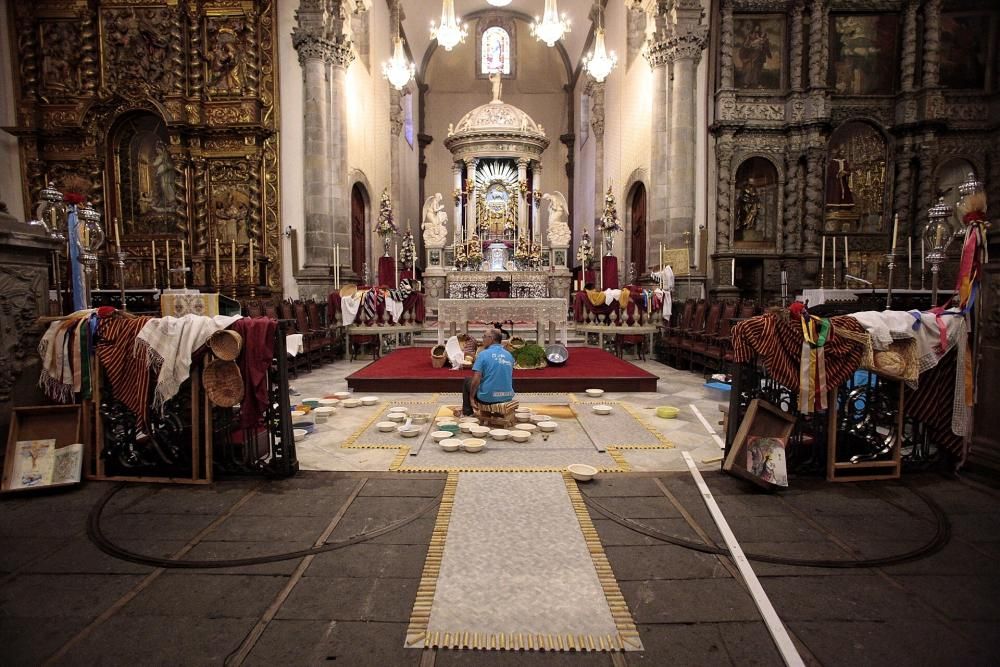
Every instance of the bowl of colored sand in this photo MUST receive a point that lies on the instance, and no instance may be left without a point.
(450, 444)
(473, 445)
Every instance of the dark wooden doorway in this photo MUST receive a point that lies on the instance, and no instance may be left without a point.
(637, 204)
(359, 249)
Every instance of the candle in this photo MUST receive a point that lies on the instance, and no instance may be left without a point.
(167, 244)
(336, 266)
(922, 255)
(152, 247)
(732, 273)
(895, 231)
(833, 244)
(182, 254)
(233, 261)
(396, 262)
(847, 256)
(218, 271)
(251, 261)
(909, 252)
(822, 255)
(118, 239)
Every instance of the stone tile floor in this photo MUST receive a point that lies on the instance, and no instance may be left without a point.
(63, 601)
(62, 598)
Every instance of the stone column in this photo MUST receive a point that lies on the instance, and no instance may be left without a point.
(657, 211)
(472, 206)
(813, 222)
(908, 59)
(687, 40)
(819, 46)
(595, 90)
(792, 216)
(395, 127)
(522, 205)
(726, 67)
(932, 43)
(324, 55)
(903, 187)
(925, 180)
(723, 204)
(456, 170)
(795, 51)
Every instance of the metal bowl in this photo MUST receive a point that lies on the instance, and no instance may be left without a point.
(556, 354)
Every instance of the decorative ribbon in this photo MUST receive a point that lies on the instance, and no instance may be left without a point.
(812, 364)
(974, 254)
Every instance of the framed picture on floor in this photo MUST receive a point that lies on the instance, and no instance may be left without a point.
(758, 450)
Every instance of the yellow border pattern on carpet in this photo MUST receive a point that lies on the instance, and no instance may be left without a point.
(421, 615)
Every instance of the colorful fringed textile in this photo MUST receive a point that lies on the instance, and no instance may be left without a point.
(65, 367)
(812, 365)
(974, 255)
(127, 372)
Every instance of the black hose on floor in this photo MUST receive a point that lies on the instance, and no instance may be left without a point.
(942, 535)
(102, 542)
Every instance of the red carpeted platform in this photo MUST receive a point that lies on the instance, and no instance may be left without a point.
(409, 369)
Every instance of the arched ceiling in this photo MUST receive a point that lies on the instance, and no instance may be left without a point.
(418, 15)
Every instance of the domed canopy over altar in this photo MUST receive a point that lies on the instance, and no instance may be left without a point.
(496, 129)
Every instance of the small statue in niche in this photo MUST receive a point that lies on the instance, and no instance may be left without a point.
(497, 80)
(749, 208)
(838, 182)
(226, 63)
(435, 222)
(558, 232)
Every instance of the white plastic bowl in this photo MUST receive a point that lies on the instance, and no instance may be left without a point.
(323, 413)
(528, 428)
(441, 435)
(298, 414)
(603, 409)
(409, 431)
(538, 419)
(385, 427)
(520, 436)
(369, 400)
(468, 420)
(499, 434)
(450, 444)
(299, 433)
(523, 417)
(399, 408)
(595, 392)
(473, 445)
(351, 403)
(396, 416)
(421, 418)
(328, 402)
(342, 394)
(548, 426)
(479, 431)
(582, 472)
(466, 427)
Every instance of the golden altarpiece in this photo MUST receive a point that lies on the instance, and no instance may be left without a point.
(168, 112)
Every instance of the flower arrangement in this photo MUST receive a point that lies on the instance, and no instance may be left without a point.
(407, 249)
(475, 252)
(609, 222)
(585, 252)
(386, 226)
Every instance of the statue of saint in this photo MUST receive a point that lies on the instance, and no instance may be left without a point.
(838, 182)
(749, 209)
(558, 232)
(435, 222)
(497, 80)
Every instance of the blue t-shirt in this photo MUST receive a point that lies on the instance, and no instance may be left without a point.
(497, 368)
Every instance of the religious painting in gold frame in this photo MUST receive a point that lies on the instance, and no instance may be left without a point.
(759, 46)
(145, 176)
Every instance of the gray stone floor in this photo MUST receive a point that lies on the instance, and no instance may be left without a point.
(61, 597)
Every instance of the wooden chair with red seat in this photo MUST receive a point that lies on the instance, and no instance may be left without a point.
(671, 337)
(712, 350)
(310, 341)
(324, 339)
(696, 338)
(696, 323)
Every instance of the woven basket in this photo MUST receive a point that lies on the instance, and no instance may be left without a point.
(223, 383)
(226, 344)
(438, 356)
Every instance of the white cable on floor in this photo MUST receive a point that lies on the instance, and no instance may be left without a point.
(774, 625)
(708, 427)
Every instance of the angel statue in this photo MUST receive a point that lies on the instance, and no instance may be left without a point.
(435, 222)
(558, 232)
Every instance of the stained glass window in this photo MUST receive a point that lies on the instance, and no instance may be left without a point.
(496, 51)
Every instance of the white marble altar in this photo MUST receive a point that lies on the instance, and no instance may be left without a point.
(459, 312)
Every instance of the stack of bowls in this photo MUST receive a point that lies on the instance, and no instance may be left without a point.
(311, 402)
(323, 413)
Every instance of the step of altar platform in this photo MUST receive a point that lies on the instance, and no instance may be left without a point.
(428, 336)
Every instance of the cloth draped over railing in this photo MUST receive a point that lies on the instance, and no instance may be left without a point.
(376, 306)
(640, 305)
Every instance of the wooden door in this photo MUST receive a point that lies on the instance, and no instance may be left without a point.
(359, 249)
(638, 215)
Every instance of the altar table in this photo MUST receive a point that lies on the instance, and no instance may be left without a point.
(459, 312)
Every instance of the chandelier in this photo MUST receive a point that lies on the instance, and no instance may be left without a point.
(599, 62)
(398, 70)
(499, 3)
(551, 27)
(449, 34)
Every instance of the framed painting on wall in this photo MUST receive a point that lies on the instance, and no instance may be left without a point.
(863, 51)
(759, 51)
(965, 50)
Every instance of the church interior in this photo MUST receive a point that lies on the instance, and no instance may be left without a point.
(729, 246)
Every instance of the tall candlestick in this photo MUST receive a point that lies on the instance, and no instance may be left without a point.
(909, 252)
(922, 254)
(895, 231)
(167, 243)
(182, 254)
(395, 263)
(218, 271)
(822, 255)
(251, 261)
(833, 244)
(152, 245)
(336, 266)
(233, 261)
(118, 238)
(847, 257)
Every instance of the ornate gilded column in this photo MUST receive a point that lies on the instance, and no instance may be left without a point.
(456, 170)
(522, 206)
(815, 170)
(472, 207)
(657, 56)
(536, 186)
(925, 181)
(688, 38)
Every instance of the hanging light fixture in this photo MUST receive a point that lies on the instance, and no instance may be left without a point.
(449, 34)
(398, 70)
(551, 27)
(599, 63)
(499, 3)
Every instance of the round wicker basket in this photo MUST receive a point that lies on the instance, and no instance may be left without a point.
(223, 383)
(438, 356)
(226, 344)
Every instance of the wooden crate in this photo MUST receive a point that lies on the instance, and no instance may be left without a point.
(62, 423)
(848, 472)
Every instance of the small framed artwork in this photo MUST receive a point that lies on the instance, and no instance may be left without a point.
(863, 50)
(434, 257)
(559, 257)
(759, 51)
(965, 49)
(758, 450)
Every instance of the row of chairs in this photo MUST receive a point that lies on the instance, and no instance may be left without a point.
(321, 343)
(701, 334)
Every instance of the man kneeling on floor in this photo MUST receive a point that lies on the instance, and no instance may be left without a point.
(492, 375)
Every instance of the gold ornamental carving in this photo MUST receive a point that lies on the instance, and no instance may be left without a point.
(229, 115)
